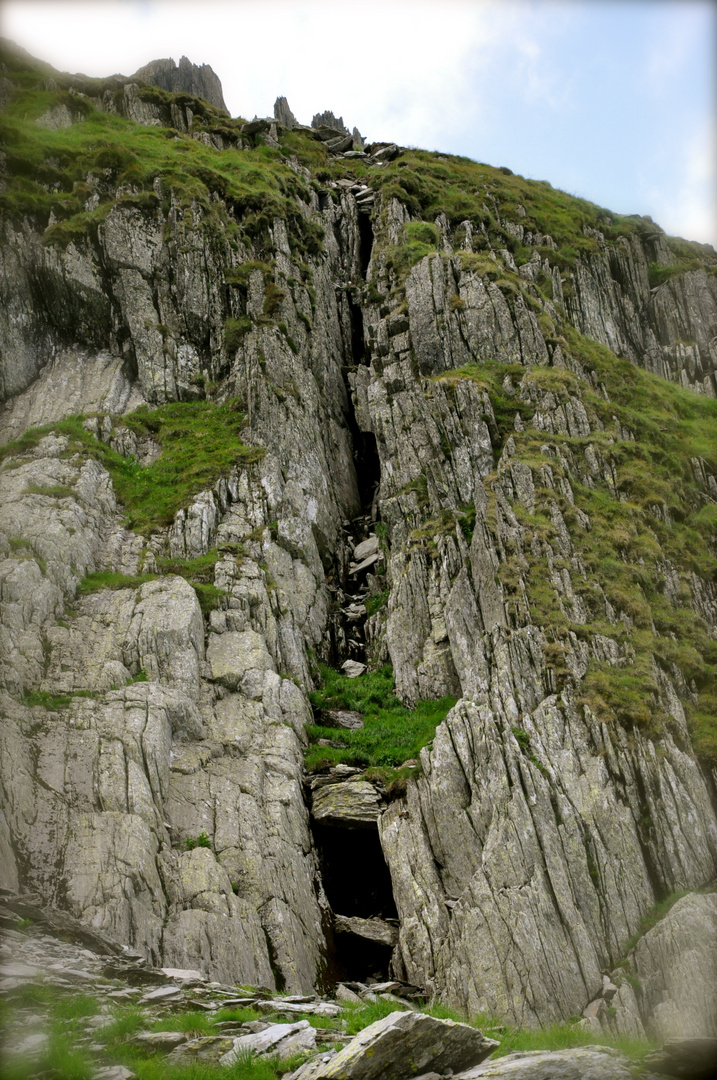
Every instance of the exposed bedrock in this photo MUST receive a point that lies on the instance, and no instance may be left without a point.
(427, 437)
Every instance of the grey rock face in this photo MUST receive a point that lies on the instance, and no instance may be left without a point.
(513, 851)
(184, 78)
(351, 804)
(327, 119)
(283, 113)
(172, 813)
(676, 964)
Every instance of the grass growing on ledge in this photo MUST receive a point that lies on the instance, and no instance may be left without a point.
(392, 733)
(200, 442)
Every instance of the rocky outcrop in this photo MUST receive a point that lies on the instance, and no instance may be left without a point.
(184, 78)
(444, 473)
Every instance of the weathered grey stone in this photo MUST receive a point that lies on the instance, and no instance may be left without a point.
(676, 964)
(341, 718)
(405, 1044)
(283, 113)
(236, 658)
(588, 1063)
(184, 78)
(353, 668)
(353, 804)
(372, 929)
(366, 548)
(280, 1039)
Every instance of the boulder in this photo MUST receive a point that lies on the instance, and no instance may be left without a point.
(340, 718)
(676, 963)
(354, 804)
(234, 654)
(406, 1044)
(585, 1063)
(689, 1059)
(377, 930)
(369, 546)
(352, 668)
(280, 1039)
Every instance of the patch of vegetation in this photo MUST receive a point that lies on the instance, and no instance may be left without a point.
(200, 442)
(392, 733)
(55, 172)
(198, 841)
(199, 572)
(109, 579)
(490, 376)
(54, 702)
(658, 275)
(376, 602)
(54, 491)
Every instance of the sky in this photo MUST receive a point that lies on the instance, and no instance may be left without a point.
(613, 100)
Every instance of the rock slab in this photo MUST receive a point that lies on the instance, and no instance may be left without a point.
(406, 1044)
(586, 1063)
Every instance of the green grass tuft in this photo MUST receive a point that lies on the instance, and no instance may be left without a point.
(392, 733)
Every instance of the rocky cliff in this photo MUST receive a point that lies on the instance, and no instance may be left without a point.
(275, 401)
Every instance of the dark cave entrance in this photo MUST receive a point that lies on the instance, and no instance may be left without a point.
(357, 884)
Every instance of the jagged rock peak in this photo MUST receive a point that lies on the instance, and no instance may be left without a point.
(184, 78)
(283, 113)
(327, 119)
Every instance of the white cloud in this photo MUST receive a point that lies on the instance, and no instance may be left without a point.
(690, 209)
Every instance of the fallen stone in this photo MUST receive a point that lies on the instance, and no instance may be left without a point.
(321, 1008)
(351, 804)
(31, 1045)
(352, 668)
(586, 1063)
(114, 1072)
(280, 1039)
(689, 1059)
(340, 718)
(163, 993)
(377, 930)
(608, 988)
(208, 1048)
(312, 1069)
(369, 546)
(20, 971)
(594, 1009)
(344, 994)
(184, 974)
(357, 568)
(160, 1040)
(406, 1044)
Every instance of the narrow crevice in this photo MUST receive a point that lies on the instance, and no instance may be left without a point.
(365, 241)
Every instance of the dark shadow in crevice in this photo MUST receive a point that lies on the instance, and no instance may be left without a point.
(354, 872)
(365, 242)
(357, 883)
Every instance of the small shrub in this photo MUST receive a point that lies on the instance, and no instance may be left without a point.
(198, 841)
